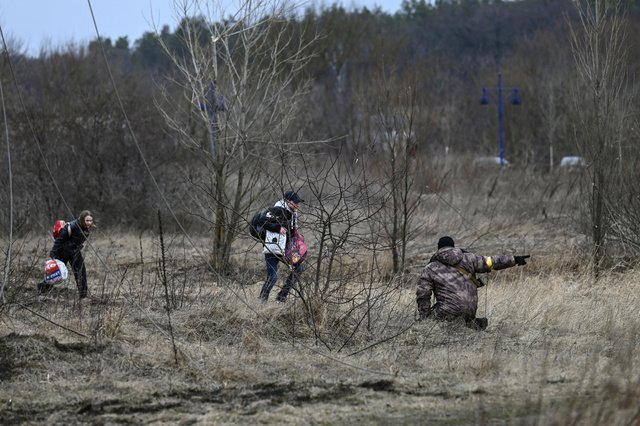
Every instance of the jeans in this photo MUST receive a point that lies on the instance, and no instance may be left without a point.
(79, 272)
(272, 262)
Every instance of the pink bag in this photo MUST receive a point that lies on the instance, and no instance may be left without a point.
(297, 250)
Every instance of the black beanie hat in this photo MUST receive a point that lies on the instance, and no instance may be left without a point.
(445, 242)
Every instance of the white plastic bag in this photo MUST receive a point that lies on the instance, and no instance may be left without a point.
(55, 271)
(275, 243)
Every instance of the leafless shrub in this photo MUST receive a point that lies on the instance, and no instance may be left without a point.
(389, 104)
(547, 329)
(600, 51)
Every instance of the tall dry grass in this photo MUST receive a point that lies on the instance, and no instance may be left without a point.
(560, 347)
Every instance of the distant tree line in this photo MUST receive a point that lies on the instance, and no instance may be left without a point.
(69, 125)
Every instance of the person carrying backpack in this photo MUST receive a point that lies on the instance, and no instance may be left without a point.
(67, 248)
(281, 228)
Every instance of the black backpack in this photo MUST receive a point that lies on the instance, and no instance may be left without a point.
(256, 225)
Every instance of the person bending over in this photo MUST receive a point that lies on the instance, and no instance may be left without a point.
(68, 248)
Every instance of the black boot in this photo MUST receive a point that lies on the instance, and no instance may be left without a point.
(478, 324)
(43, 287)
(482, 323)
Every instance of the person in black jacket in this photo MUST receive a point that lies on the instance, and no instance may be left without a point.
(281, 225)
(68, 249)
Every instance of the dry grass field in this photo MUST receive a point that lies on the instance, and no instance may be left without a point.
(560, 347)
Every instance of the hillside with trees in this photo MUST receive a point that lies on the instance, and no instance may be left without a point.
(511, 126)
(448, 51)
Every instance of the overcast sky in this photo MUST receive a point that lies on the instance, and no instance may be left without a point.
(55, 22)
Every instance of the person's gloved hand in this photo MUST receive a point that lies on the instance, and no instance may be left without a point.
(521, 260)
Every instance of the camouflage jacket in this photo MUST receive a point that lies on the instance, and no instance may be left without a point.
(455, 293)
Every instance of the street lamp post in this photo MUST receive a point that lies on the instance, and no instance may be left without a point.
(515, 100)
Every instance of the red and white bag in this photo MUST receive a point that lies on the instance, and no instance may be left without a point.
(55, 271)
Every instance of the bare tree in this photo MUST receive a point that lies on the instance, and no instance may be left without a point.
(347, 277)
(598, 42)
(7, 265)
(240, 82)
(391, 104)
(550, 96)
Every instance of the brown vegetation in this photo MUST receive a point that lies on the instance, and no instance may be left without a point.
(558, 343)
(383, 144)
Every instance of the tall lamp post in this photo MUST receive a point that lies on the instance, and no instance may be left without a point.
(515, 100)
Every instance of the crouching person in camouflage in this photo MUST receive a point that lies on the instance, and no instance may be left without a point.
(450, 276)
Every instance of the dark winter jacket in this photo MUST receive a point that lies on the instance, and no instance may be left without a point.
(66, 246)
(281, 217)
(455, 293)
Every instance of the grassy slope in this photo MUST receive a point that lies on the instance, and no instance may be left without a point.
(559, 348)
